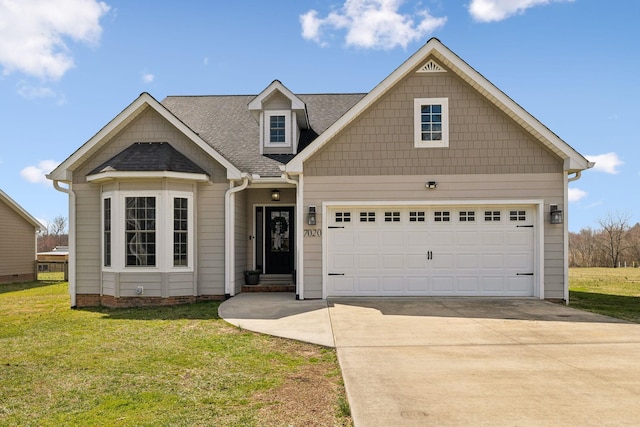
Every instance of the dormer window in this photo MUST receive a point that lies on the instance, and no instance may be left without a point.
(278, 129)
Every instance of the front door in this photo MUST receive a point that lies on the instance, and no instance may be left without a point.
(279, 240)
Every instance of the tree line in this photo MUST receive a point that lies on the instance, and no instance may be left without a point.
(614, 243)
(55, 235)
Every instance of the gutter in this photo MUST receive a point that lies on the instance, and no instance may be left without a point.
(229, 231)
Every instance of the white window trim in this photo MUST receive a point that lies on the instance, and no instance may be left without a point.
(267, 128)
(417, 123)
(164, 231)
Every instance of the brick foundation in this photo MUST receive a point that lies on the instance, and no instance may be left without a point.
(94, 300)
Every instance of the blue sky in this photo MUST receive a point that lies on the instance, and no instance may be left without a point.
(67, 67)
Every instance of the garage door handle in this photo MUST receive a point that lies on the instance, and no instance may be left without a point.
(336, 274)
(524, 226)
(335, 226)
(524, 274)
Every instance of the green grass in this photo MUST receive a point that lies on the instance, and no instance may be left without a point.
(611, 291)
(169, 366)
(51, 276)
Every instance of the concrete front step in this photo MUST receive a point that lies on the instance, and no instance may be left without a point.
(267, 287)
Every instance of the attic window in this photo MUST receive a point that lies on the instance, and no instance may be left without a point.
(431, 122)
(278, 128)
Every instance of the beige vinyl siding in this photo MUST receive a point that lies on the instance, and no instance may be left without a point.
(179, 284)
(241, 240)
(547, 187)
(88, 238)
(210, 239)
(17, 244)
(482, 139)
(150, 281)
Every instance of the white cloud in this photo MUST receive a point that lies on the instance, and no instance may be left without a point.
(497, 10)
(34, 34)
(576, 194)
(36, 174)
(32, 92)
(607, 163)
(371, 24)
(147, 77)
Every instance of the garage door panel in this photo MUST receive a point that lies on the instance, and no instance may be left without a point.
(391, 239)
(368, 284)
(343, 285)
(468, 285)
(494, 238)
(367, 262)
(492, 285)
(342, 239)
(467, 238)
(416, 261)
(391, 262)
(343, 261)
(495, 261)
(468, 261)
(431, 257)
(393, 284)
(417, 285)
(367, 240)
(520, 261)
(519, 285)
(417, 239)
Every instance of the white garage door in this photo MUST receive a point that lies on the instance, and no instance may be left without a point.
(458, 251)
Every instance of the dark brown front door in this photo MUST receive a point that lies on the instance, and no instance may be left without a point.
(279, 240)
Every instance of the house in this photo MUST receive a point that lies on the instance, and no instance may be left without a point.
(18, 244)
(435, 183)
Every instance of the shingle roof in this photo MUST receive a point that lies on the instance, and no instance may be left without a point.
(226, 124)
(149, 156)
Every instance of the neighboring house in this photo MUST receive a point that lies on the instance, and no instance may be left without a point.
(435, 183)
(18, 242)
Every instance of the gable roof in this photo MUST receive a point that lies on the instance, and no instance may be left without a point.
(20, 211)
(64, 171)
(573, 161)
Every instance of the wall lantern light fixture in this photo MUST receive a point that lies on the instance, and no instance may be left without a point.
(311, 216)
(275, 195)
(556, 214)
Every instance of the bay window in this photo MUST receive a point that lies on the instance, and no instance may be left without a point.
(147, 230)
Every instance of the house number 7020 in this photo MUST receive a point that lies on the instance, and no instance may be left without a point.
(312, 233)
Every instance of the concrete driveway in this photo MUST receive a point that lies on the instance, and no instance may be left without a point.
(459, 361)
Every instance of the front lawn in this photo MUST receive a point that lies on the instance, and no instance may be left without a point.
(171, 366)
(611, 291)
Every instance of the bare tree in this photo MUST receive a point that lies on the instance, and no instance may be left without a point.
(54, 235)
(614, 235)
(583, 248)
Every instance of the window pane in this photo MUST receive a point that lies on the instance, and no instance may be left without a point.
(426, 108)
(436, 109)
(140, 232)
(180, 232)
(107, 233)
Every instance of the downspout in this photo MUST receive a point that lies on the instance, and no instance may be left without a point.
(229, 232)
(565, 242)
(72, 238)
(299, 262)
